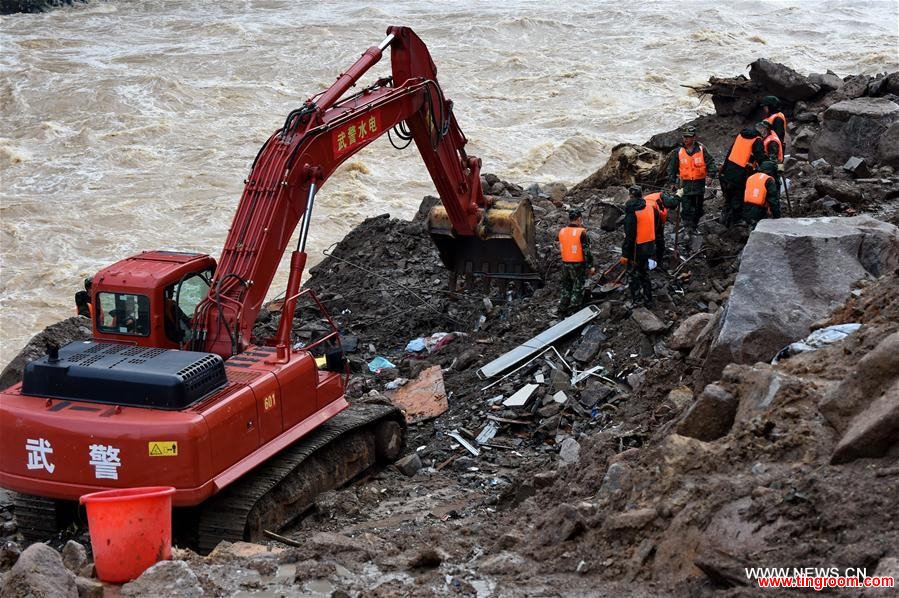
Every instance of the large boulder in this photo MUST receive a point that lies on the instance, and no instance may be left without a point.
(889, 146)
(39, 572)
(782, 81)
(628, 165)
(855, 128)
(792, 273)
(77, 328)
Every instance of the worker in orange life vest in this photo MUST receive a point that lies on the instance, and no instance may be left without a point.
(643, 240)
(663, 201)
(771, 114)
(770, 141)
(577, 262)
(692, 164)
(746, 152)
(761, 200)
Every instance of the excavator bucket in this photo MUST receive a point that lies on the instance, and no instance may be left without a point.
(504, 247)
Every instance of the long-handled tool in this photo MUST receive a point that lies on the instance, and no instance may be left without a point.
(787, 195)
(609, 282)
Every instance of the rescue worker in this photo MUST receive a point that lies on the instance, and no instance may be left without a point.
(663, 202)
(773, 115)
(761, 200)
(643, 239)
(693, 164)
(770, 142)
(747, 151)
(83, 304)
(574, 245)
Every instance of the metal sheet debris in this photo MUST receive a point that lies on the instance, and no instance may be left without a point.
(423, 398)
(467, 445)
(578, 376)
(521, 396)
(487, 433)
(534, 345)
(560, 397)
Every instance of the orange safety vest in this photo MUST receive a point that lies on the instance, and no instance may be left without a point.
(775, 116)
(570, 244)
(660, 205)
(773, 138)
(741, 153)
(646, 224)
(692, 168)
(756, 193)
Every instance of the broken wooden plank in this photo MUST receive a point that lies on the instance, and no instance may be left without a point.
(509, 420)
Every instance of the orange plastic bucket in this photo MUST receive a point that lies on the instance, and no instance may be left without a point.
(130, 529)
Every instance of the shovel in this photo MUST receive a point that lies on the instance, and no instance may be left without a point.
(608, 282)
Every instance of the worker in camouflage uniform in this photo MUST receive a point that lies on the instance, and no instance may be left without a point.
(577, 262)
(691, 165)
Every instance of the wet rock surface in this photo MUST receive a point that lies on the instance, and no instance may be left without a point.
(590, 487)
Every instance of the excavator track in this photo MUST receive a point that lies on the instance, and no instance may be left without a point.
(287, 485)
(39, 519)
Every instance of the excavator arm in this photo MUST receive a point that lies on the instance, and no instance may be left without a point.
(299, 157)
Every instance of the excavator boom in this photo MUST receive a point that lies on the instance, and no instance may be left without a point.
(315, 139)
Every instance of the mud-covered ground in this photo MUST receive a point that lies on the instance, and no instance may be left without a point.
(593, 495)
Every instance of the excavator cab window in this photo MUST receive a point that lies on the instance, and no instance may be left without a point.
(124, 313)
(180, 300)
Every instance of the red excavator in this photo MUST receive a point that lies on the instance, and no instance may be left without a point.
(172, 390)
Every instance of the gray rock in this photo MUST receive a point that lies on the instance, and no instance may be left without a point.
(545, 479)
(618, 477)
(801, 141)
(89, 588)
(559, 380)
(888, 153)
(595, 393)
(684, 338)
(854, 128)
(165, 578)
(648, 321)
(559, 524)
(821, 164)
(841, 190)
(409, 465)
(867, 381)
(570, 451)
(39, 572)
(782, 81)
(711, 416)
(828, 81)
(873, 431)
(817, 262)
(74, 556)
(857, 167)
(589, 343)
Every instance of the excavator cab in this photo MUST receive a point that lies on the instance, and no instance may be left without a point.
(149, 299)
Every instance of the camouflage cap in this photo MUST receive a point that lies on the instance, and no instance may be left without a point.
(635, 191)
(689, 131)
(574, 214)
(770, 101)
